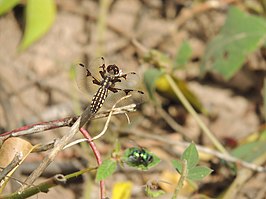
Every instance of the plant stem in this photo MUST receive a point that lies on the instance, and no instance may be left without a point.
(101, 26)
(98, 158)
(190, 109)
(182, 179)
(46, 185)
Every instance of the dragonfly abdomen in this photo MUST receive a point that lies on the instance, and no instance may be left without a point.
(98, 99)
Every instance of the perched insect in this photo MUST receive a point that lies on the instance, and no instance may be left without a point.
(105, 79)
(138, 157)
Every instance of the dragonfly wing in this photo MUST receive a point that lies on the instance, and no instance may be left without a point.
(82, 80)
(95, 66)
(88, 76)
(128, 86)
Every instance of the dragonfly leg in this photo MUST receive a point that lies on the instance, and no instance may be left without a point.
(95, 81)
(124, 75)
(103, 71)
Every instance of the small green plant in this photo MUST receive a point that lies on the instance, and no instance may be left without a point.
(163, 72)
(106, 169)
(188, 169)
(135, 157)
(241, 35)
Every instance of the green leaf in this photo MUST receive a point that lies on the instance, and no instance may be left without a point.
(156, 160)
(183, 55)
(150, 77)
(240, 35)
(106, 169)
(178, 165)
(153, 193)
(40, 15)
(250, 151)
(7, 5)
(158, 59)
(198, 172)
(191, 155)
(264, 98)
(262, 136)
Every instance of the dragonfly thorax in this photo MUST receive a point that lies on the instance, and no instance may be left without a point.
(108, 81)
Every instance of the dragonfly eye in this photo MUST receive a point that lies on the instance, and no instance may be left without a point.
(113, 69)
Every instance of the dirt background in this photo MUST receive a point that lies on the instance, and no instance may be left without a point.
(36, 85)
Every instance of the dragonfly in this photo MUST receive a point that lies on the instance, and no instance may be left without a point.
(102, 80)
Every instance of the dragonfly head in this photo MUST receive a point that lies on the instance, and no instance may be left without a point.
(113, 70)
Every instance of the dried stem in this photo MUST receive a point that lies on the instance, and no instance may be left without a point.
(109, 118)
(44, 126)
(15, 162)
(48, 159)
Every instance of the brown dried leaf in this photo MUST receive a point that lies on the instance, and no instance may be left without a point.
(9, 149)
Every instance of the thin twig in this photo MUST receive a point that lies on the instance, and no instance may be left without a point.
(42, 187)
(15, 162)
(44, 126)
(243, 175)
(44, 147)
(171, 122)
(189, 13)
(109, 118)
(191, 110)
(38, 127)
(188, 106)
(60, 144)
(48, 159)
(46, 185)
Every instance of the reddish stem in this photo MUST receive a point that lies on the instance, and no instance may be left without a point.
(39, 127)
(97, 155)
